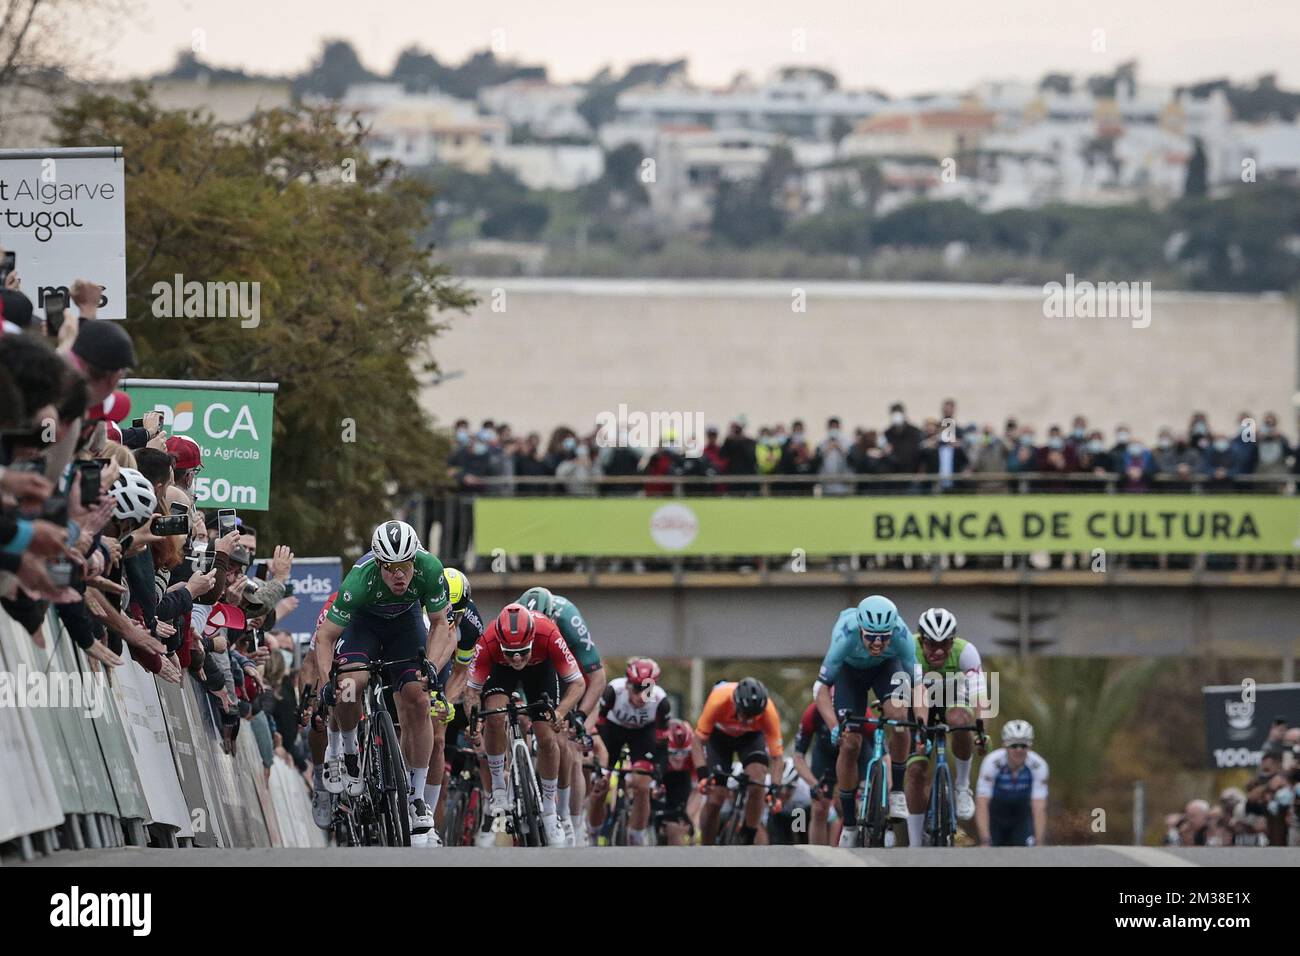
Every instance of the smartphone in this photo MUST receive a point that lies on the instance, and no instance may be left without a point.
(172, 524)
(55, 510)
(226, 521)
(7, 265)
(55, 306)
(90, 480)
(179, 509)
(60, 573)
(137, 423)
(260, 573)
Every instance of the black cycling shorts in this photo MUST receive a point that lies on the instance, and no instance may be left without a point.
(640, 743)
(398, 638)
(721, 749)
(536, 681)
(853, 684)
(678, 785)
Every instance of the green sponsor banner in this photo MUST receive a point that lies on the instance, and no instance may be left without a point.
(232, 427)
(970, 524)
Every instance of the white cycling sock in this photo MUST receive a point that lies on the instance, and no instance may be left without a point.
(548, 793)
(635, 837)
(334, 744)
(497, 768)
(916, 829)
(963, 772)
(431, 794)
(562, 802)
(418, 777)
(349, 739)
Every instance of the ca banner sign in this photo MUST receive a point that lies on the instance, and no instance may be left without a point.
(1238, 717)
(63, 216)
(230, 422)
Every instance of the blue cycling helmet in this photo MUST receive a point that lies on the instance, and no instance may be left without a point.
(877, 614)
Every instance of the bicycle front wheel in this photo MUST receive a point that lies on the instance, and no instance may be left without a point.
(531, 825)
(940, 821)
(393, 803)
(871, 829)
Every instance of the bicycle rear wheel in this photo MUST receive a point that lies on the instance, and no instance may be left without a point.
(452, 816)
(393, 803)
(871, 829)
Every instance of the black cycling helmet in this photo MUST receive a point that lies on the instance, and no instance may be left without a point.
(750, 697)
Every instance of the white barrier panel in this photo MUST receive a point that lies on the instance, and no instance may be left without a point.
(293, 808)
(30, 802)
(141, 713)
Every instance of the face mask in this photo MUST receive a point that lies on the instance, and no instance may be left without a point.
(881, 442)
(1026, 440)
(1056, 444)
(1166, 442)
(1121, 437)
(570, 444)
(1135, 448)
(796, 437)
(1221, 445)
(833, 434)
(1266, 429)
(480, 448)
(1095, 446)
(1198, 428)
(288, 658)
(897, 418)
(1078, 433)
(462, 436)
(487, 435)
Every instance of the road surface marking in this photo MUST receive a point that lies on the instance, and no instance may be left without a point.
(834, 856)
(1150, 856)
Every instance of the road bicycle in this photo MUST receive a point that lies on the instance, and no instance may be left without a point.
(940, 818)
(525, 816)
(380, 815)
(873, 799)
(463, 810)
(614, 831)
(729, 834)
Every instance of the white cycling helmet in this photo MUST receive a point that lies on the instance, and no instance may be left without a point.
(394, 541)
(133, 496)
(1017, 732)
(789, 775)
(938, 624)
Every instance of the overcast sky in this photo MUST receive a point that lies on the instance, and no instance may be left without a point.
(901, 47)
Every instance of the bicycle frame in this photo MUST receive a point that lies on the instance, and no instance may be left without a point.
(941, 835)
(527, 795)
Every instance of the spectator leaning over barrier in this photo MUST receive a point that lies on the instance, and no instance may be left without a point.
(904, 440)
(738, 451)
(1274, 451)
(1217, 465)
(832, 460)
(946, 457)
(1244, 447)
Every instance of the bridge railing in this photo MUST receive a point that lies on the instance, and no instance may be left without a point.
(449, 513)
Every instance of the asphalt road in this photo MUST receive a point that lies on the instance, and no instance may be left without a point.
(1098, 856)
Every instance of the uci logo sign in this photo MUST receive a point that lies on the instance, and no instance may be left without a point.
(219, 420)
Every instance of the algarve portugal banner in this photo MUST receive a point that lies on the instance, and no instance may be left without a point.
(969, 524)
(230, 422)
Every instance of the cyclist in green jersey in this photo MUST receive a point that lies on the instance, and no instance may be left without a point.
(954, 687)
(379, 613)
(572, 796)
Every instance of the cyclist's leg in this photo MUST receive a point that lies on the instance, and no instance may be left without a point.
(678, 788)
(358, 644)
(641, 747)
(613, 737)
(822, 766)
(437, 753)
(752, 748)
(563, 790)
(718, 751)
(404, 638)
(496, 694)
(851, 694)
(892, 687)
(961, 751)
(538, 680)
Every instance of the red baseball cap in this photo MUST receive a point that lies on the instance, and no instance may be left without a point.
(224, 615)
(112, 409)
(185, 451)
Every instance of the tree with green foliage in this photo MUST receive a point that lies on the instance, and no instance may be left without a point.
(349, 298)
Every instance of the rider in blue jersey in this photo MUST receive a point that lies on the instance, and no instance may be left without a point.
(871, 650)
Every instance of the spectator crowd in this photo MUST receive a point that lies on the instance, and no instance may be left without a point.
(954, 456)
(98, 521)
(1263, 813)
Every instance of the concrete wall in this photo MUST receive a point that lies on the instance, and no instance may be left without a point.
(785, 622)
(729, 347)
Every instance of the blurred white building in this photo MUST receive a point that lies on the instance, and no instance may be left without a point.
(548, 110)
(418, 129)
